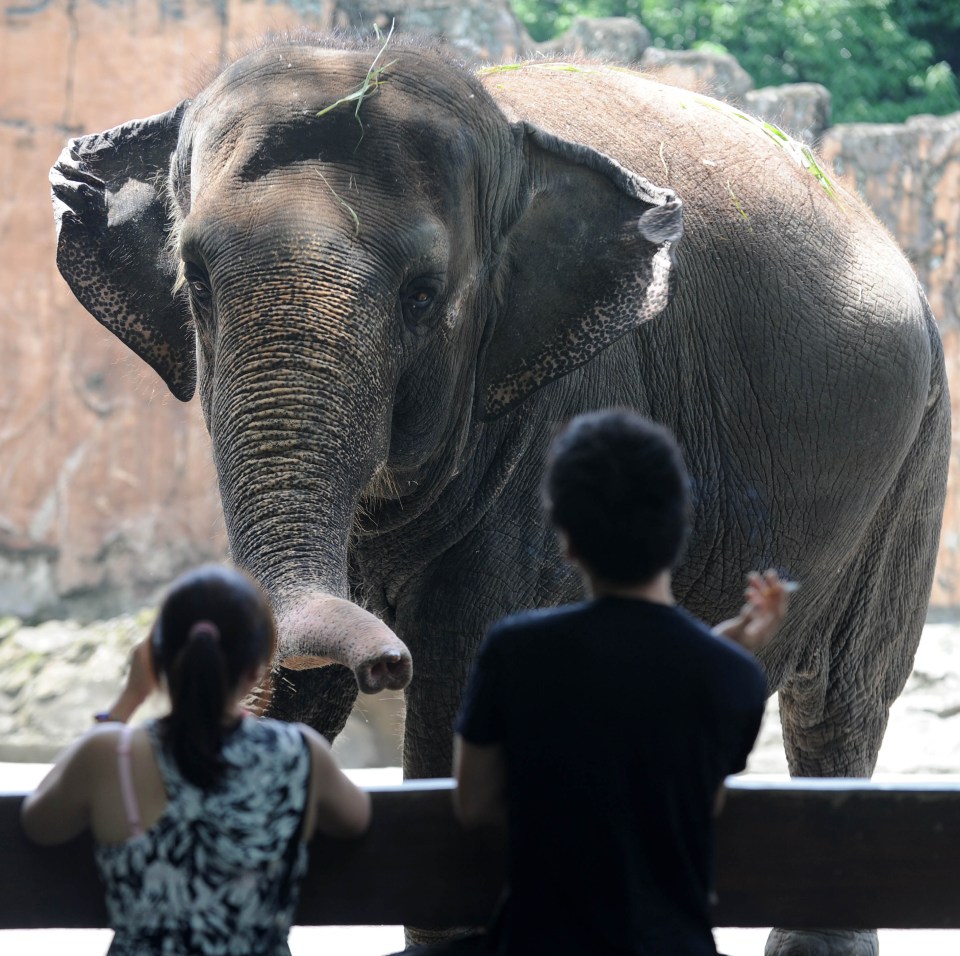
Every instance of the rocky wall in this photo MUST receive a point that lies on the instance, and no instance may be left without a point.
(106, 486)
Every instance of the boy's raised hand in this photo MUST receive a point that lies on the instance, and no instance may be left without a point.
(765, 607)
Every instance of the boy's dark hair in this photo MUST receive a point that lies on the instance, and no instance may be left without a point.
(617, 486)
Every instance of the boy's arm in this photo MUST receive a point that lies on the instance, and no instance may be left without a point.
(480, 796)
(479, 757)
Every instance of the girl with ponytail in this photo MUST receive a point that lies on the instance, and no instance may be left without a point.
(200, 818)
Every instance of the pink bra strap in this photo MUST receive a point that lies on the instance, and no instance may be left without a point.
(126, 782)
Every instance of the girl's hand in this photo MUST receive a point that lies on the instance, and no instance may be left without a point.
(140, 684)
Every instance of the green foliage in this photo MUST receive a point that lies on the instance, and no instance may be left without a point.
(863, 51)
(936, 21)
(549, 18)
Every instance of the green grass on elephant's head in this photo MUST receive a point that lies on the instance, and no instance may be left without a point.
(369, 86)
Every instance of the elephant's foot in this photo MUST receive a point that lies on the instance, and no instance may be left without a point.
(321, 697)
(797, 942)
(444, 942)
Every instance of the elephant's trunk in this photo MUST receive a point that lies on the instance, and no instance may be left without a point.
(299, 427)
(360, 641)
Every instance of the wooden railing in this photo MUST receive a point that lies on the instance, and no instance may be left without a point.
(811, 853)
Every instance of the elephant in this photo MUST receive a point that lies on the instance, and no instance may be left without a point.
(391, 279)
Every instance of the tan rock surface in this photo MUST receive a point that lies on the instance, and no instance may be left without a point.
(106, 484)
(714, 74)
(483, 31)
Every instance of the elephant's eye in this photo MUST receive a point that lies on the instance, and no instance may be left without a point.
(419, 299)
(199, 286)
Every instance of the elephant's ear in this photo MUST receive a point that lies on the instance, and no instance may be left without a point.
(588, 258)
(113, 231)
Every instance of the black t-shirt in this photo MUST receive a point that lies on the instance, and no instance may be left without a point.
(619, 719)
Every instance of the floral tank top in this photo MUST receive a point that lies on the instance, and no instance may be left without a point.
(219, 873)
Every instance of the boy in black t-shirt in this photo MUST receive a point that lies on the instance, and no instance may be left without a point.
(601, 732)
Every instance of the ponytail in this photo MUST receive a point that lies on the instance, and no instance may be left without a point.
(198, 695)
(214, 627)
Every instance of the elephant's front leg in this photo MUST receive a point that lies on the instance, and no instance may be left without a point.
(474, 585)
(442, 623)
(432, 702)
(510, 562)
(822, 942)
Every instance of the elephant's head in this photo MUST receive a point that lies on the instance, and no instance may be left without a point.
(357, 260)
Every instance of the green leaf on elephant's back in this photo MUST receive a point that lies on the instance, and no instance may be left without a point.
(811, 165)
(737, 205)
(556, 66)
(775, 132)
(799, 152)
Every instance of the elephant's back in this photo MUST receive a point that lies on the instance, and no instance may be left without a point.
(735, 173)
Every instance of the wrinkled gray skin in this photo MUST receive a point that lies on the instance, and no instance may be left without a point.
(389, 310)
